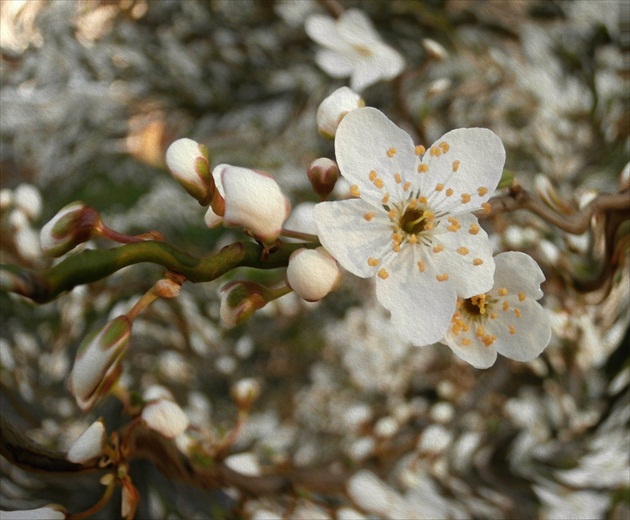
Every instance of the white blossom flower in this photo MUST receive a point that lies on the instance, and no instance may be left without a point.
(506, 319)
(166, 417)
(312, 273)
(253, 200)
(334, 108)
(410, 222)
(89, 445)
(352, 47)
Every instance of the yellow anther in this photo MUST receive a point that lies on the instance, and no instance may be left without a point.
(441, 277)
(413, 239)
(455, 226)
(396, 247)
(419, 150)
(373, 262)
(428, 226)
(391, 152)
(506, 306)
(449, 192)
(480, 331)
(373, 175)
(466, 342)
(473, 229)
(465, 198)
(521, 296)
(354, 191)
(428, 215)
(397, 238)
(423, 168)
(503, 291)
(482, 190)
(455, 166)
(439, 187)
(512, 329)
(487, 208)
(434, 151)
(397, 178)
(517, 312)
(406, 186)
(438, 248)
(421, 266)
(488, 340)
(385, 198)
(378, 183)
(422, 200)
(477, 261)
(369, 216)
(412, 203)
(392, 213)
(494, 316)
(462, 250)
(444, 146)
(382, 274)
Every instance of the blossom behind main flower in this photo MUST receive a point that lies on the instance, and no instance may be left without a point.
(352, 47)
(410, 222)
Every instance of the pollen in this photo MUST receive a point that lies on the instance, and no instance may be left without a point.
(473, 229)
(477, 261)
(423, 168)
(438, 248)
(373, 175)
(397, 178)
(455, 166)
(373, 262)
(455, 226)
(506, 306)
(385, 198)
(444, 146)
(406, 186)
(441, 277)
(482, 190)
(434, 151)
(512, 329)
(466, 342)
(439, 187)
(517, 313)
(521, 296)
(449, 192)
(421, 266)
(488, 339)
(369, 216)
(503, 291)
(487, 208)
(391, 152)
(465, 198)
(378, 183)
(354, 191)
(462, 250)
(383, 274)
(419, 150)
(392, 214)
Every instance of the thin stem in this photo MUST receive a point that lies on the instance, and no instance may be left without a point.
(109, 490)
(289, 233)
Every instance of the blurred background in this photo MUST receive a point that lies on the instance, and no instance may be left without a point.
(93, 92)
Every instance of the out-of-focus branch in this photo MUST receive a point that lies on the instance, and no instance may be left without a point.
(333, 7)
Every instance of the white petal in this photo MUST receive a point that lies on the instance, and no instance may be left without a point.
(165, 417)
(334, 108)
(470, 279)
(421, 306)
(356, 28)
(51, 512)
(301, 219)
(349, 237)
(323, 30)
(518, 272)
(335, 64)
(89, 445)
(477, 155)
(363, 140)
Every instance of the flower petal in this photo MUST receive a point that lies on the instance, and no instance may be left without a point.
(421, 306)
(466, 257)
(385, 63)
(323, 30)
(477, 354)
(367, 141)
(356, 28)
(468, 161)
(350, 238)
(334, 63)
(518, 272)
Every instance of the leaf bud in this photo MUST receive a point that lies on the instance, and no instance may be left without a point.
(323, 174)
(334, 108)
(312, 273)
(240, 300)
(188, 162)
(72, 225)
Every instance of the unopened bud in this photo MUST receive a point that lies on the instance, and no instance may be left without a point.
(240, 300)
(323, 174)
(253, 200)
(89, 445)
(434, 50)
(548, 193)
(97, 365)
(130, 498)
(29, 200)
(312, 273)
(72, 225)
(166, 417)
(188, 162)
(49, 512)
(245, 392)
(334, 108)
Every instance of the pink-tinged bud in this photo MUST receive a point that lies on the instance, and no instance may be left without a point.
(323, 174)
(240, 300)
(130, 498)
(89, 445)
(245, 392)
(97, 365)
(72, 225)
(312, 273)
(334, 108)
(49, 512)
(165, 417)
(253, 200)
(188, 162)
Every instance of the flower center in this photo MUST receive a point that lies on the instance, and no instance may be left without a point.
(413, 220)
(475, 307)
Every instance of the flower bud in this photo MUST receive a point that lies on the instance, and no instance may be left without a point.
(240, 300)
(89, 445)
(97, 365)
(165, 417)
(254, 201)
(49, 512)
(245, 392)
(334, 108)
(434, 50)
(130, 498)
(72, 225)
(29, 200)
(312, 273)
(188, 162)
(323, 174)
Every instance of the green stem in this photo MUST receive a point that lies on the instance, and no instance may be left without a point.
(92, 265)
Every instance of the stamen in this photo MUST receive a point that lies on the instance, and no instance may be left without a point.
(391, 152)
(373, 175)
(438, 248)
(487, 208)
(406, 186)
(473, 229)
(477, 261)
(455, 226)
(422, 200)
(397, 178)
(442, 277)
(419, 150)
(392, 214)
(423, 168)
(383, 274)
(455, 166)
(465, 198)
(434, 151)
(378, 183)
(506, 306)
(385, 198)
(462, 250)
(449, 192)
(413, 239)
(512, 329)
(482, 190)
(373, 262)
(354, 191)
(503, 291)
(521, 296)
(494, 316)
(412, 203)
(444, 146)
(439, 187)
(369, 216)
(517, 312)
(488, 340)
(466, 342)
(421, 266)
